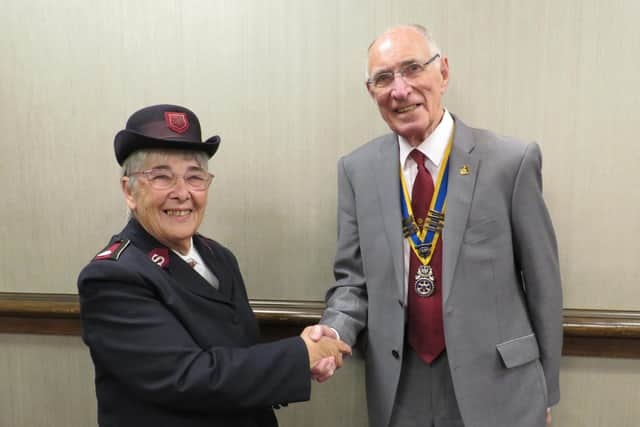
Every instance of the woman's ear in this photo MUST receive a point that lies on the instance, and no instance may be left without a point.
(128, 193)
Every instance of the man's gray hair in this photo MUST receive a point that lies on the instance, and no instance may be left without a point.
(433, 47)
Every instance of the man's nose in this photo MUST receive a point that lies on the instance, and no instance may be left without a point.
(399, 87)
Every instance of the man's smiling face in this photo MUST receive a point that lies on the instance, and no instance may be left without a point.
(412, 109)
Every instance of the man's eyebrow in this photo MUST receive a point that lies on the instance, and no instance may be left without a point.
(410, 61)
(402, 64)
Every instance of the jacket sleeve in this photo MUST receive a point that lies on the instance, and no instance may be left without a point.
(537, 255)
(347, 300)
(136, 338)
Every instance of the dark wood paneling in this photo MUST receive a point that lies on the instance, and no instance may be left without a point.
(595, 333)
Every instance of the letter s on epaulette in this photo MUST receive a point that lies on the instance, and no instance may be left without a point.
(113, 251)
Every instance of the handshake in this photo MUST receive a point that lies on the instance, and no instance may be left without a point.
(325, 351)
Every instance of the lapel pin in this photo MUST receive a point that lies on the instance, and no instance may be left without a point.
(464, 170)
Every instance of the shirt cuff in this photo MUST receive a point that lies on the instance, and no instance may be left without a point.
(336, 332)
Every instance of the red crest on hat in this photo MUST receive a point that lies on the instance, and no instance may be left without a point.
(177, 122)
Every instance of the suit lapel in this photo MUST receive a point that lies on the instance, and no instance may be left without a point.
(459, 197)
(386, 171)
(178, 271)
(190, 279)
(216, 264)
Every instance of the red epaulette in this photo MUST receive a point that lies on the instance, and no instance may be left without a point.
(113, 250)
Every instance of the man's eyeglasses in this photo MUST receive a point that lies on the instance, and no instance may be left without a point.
(164, 179)
(409, 72)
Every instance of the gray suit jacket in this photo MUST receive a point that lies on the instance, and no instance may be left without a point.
(502, 301)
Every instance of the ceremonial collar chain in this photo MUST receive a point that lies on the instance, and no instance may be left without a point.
(424, 240)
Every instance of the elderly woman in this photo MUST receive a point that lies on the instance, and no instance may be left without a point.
(165, 311)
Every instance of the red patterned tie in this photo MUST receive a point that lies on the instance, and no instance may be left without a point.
(425, 327)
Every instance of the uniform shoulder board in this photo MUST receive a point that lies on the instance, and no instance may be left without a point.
(113, 250)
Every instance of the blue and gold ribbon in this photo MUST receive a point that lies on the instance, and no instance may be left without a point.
(423, 241)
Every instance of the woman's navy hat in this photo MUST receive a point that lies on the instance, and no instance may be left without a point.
(162, 126)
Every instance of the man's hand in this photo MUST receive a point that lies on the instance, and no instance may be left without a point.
(548, 416)
(325, 351)
(318, 331)
(324, 369)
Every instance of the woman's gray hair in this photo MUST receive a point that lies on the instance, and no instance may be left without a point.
(136, 161)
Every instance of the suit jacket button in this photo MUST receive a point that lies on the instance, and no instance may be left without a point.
(235, 319)
(395, 354)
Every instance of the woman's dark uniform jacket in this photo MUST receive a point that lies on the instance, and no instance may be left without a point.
(171, 350)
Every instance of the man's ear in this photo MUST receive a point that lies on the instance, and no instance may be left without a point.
(370, 91)
(444, 72)
(128, 194)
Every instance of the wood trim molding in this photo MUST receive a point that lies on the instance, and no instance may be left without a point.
(601, 333)
(594, 333)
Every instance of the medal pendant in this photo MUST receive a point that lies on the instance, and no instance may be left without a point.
(424, 250)
(425, 281)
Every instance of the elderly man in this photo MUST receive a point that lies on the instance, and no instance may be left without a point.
(164, 309)
(446, 266)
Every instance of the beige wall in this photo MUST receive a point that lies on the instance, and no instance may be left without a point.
(282, 83)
